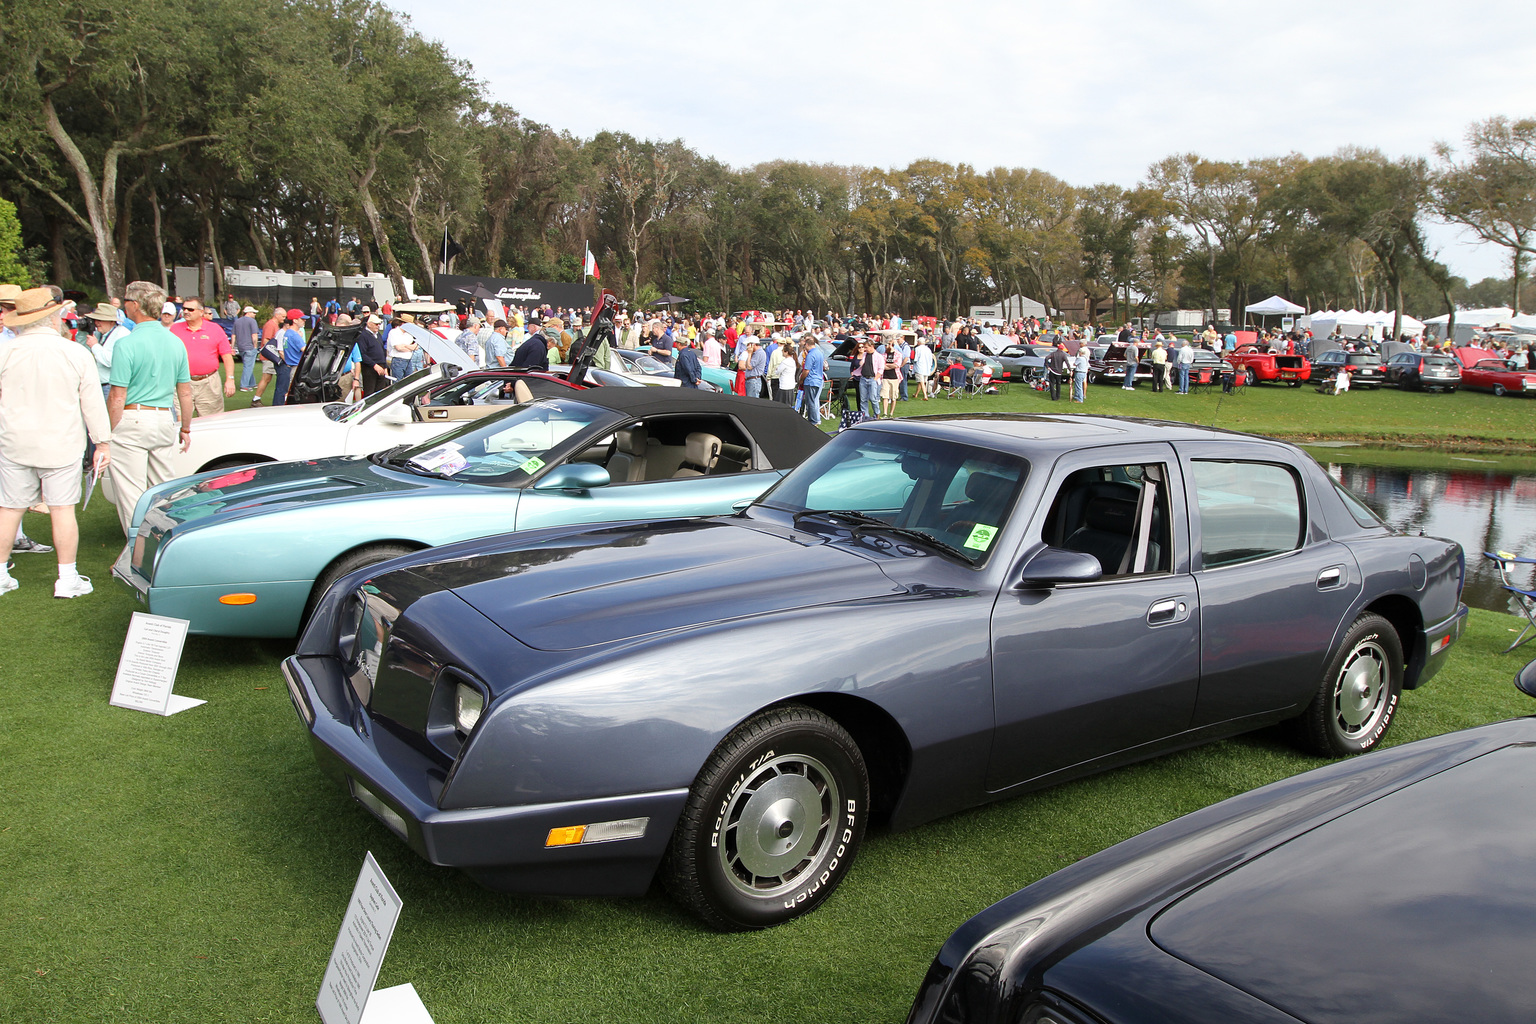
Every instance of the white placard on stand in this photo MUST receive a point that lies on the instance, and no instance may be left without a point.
(346, 991)
(146, 673)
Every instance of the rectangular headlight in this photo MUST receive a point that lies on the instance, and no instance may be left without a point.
(468, 704)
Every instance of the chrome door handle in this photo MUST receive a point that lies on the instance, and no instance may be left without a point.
(1163, 611)
(1330, 577)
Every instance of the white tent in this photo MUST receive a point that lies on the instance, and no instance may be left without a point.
(1275, 306)
(1352, 323)
(1474, 317)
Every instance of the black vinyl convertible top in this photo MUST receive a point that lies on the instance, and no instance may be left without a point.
(786, 437)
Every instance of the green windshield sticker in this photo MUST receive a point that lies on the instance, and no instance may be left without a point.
(981, 537)
(532, 466)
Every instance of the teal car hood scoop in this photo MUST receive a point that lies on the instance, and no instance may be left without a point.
(604, 585)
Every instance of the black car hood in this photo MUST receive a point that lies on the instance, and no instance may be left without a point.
(1418, 906)
(597, 586)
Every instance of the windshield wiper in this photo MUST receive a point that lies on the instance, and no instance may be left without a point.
(862, 523)
(387, 456)
(419, 470)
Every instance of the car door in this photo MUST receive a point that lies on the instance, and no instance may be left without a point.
(1274, 587)
(394, 422)
(1082, 671)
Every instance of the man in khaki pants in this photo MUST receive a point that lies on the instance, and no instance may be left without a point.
(207, 345)
(149, 371)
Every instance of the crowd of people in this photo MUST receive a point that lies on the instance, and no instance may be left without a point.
(116, 387)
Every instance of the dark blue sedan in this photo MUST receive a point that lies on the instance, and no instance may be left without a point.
(1399, 887)
(925, 615)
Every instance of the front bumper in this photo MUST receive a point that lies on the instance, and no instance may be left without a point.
(275, 612)
(500, 847)
(1438, 641)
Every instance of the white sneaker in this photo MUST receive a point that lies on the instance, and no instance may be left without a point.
(75, 586)
(8, 584)
(28, 546)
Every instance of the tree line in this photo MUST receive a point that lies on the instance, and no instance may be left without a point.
(328, 134)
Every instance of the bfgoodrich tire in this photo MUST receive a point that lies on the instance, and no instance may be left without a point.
(1357, 700)
(772, 822)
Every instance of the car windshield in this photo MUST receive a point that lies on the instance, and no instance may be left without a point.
(509, 447)
(343, 412)
(953, 497)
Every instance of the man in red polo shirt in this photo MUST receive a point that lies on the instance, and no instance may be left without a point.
(206, 344)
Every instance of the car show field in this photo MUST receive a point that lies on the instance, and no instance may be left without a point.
(204, 873)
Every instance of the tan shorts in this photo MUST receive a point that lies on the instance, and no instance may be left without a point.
(888, 389)
(25, 486)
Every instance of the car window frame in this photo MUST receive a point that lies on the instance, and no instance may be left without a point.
(1142, 453)
(1307, 527)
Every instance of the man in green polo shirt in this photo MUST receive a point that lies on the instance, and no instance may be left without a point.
(149, 371)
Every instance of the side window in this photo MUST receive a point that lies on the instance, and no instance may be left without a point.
(1118, 514)
(1248, 510)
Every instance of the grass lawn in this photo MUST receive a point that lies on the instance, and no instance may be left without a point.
(1464, 421)
(196, 868)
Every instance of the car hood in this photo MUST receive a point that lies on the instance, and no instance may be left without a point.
(1420, 905)
(598, 586)
(276, 485)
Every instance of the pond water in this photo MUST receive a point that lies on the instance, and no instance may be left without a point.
(1481, 509)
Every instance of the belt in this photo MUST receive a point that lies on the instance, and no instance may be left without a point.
(204, 376)
(149, 408)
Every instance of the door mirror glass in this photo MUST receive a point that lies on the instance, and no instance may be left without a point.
(573, 476)
(1050, 566)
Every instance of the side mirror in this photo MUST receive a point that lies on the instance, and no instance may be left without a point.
(1050, 566)
(1525, 680)
(742, 505)
(396, 415)
(573, 476)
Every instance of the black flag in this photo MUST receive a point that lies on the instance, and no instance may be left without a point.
(450, 249)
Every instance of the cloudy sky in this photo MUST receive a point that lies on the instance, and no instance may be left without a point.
(1089, 90)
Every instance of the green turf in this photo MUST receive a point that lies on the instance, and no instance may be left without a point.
(1466, 420)
(196, 868)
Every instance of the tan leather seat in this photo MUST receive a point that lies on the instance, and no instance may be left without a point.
(521, 393)
(700, 450)
(627, 464)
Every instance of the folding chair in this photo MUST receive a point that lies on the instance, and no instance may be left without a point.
(953, 385)
(1526, 598)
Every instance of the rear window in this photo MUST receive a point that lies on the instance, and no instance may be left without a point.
(1248, 510)
(1364, 359)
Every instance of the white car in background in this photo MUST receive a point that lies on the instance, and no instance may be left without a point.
(315, 430)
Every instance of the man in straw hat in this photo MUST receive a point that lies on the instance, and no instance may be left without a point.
(149, 372)
(9, 293)
(50, 399)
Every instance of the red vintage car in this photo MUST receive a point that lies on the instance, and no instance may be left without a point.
(1255, 364)
(1496, 376)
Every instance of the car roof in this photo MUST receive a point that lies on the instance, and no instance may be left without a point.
(1048, 435)
(786, 437)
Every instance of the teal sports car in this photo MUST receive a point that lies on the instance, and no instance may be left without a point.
(248, 551)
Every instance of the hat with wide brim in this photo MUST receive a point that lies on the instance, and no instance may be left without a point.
(9, 293)
(33, 305)
(104, 311)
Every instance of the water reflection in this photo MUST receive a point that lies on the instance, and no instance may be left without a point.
(1479, 509)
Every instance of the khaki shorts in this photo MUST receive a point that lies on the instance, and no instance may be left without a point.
(889, 388)
(25, 486)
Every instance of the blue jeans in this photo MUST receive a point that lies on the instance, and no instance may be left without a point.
(754, 387)
(1079, 386)
(1130, 374)
(284, 372)
(809, 402)
(869, 395)
(1183, 378)
(901, 389)
(249, 374)
(400, 368)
